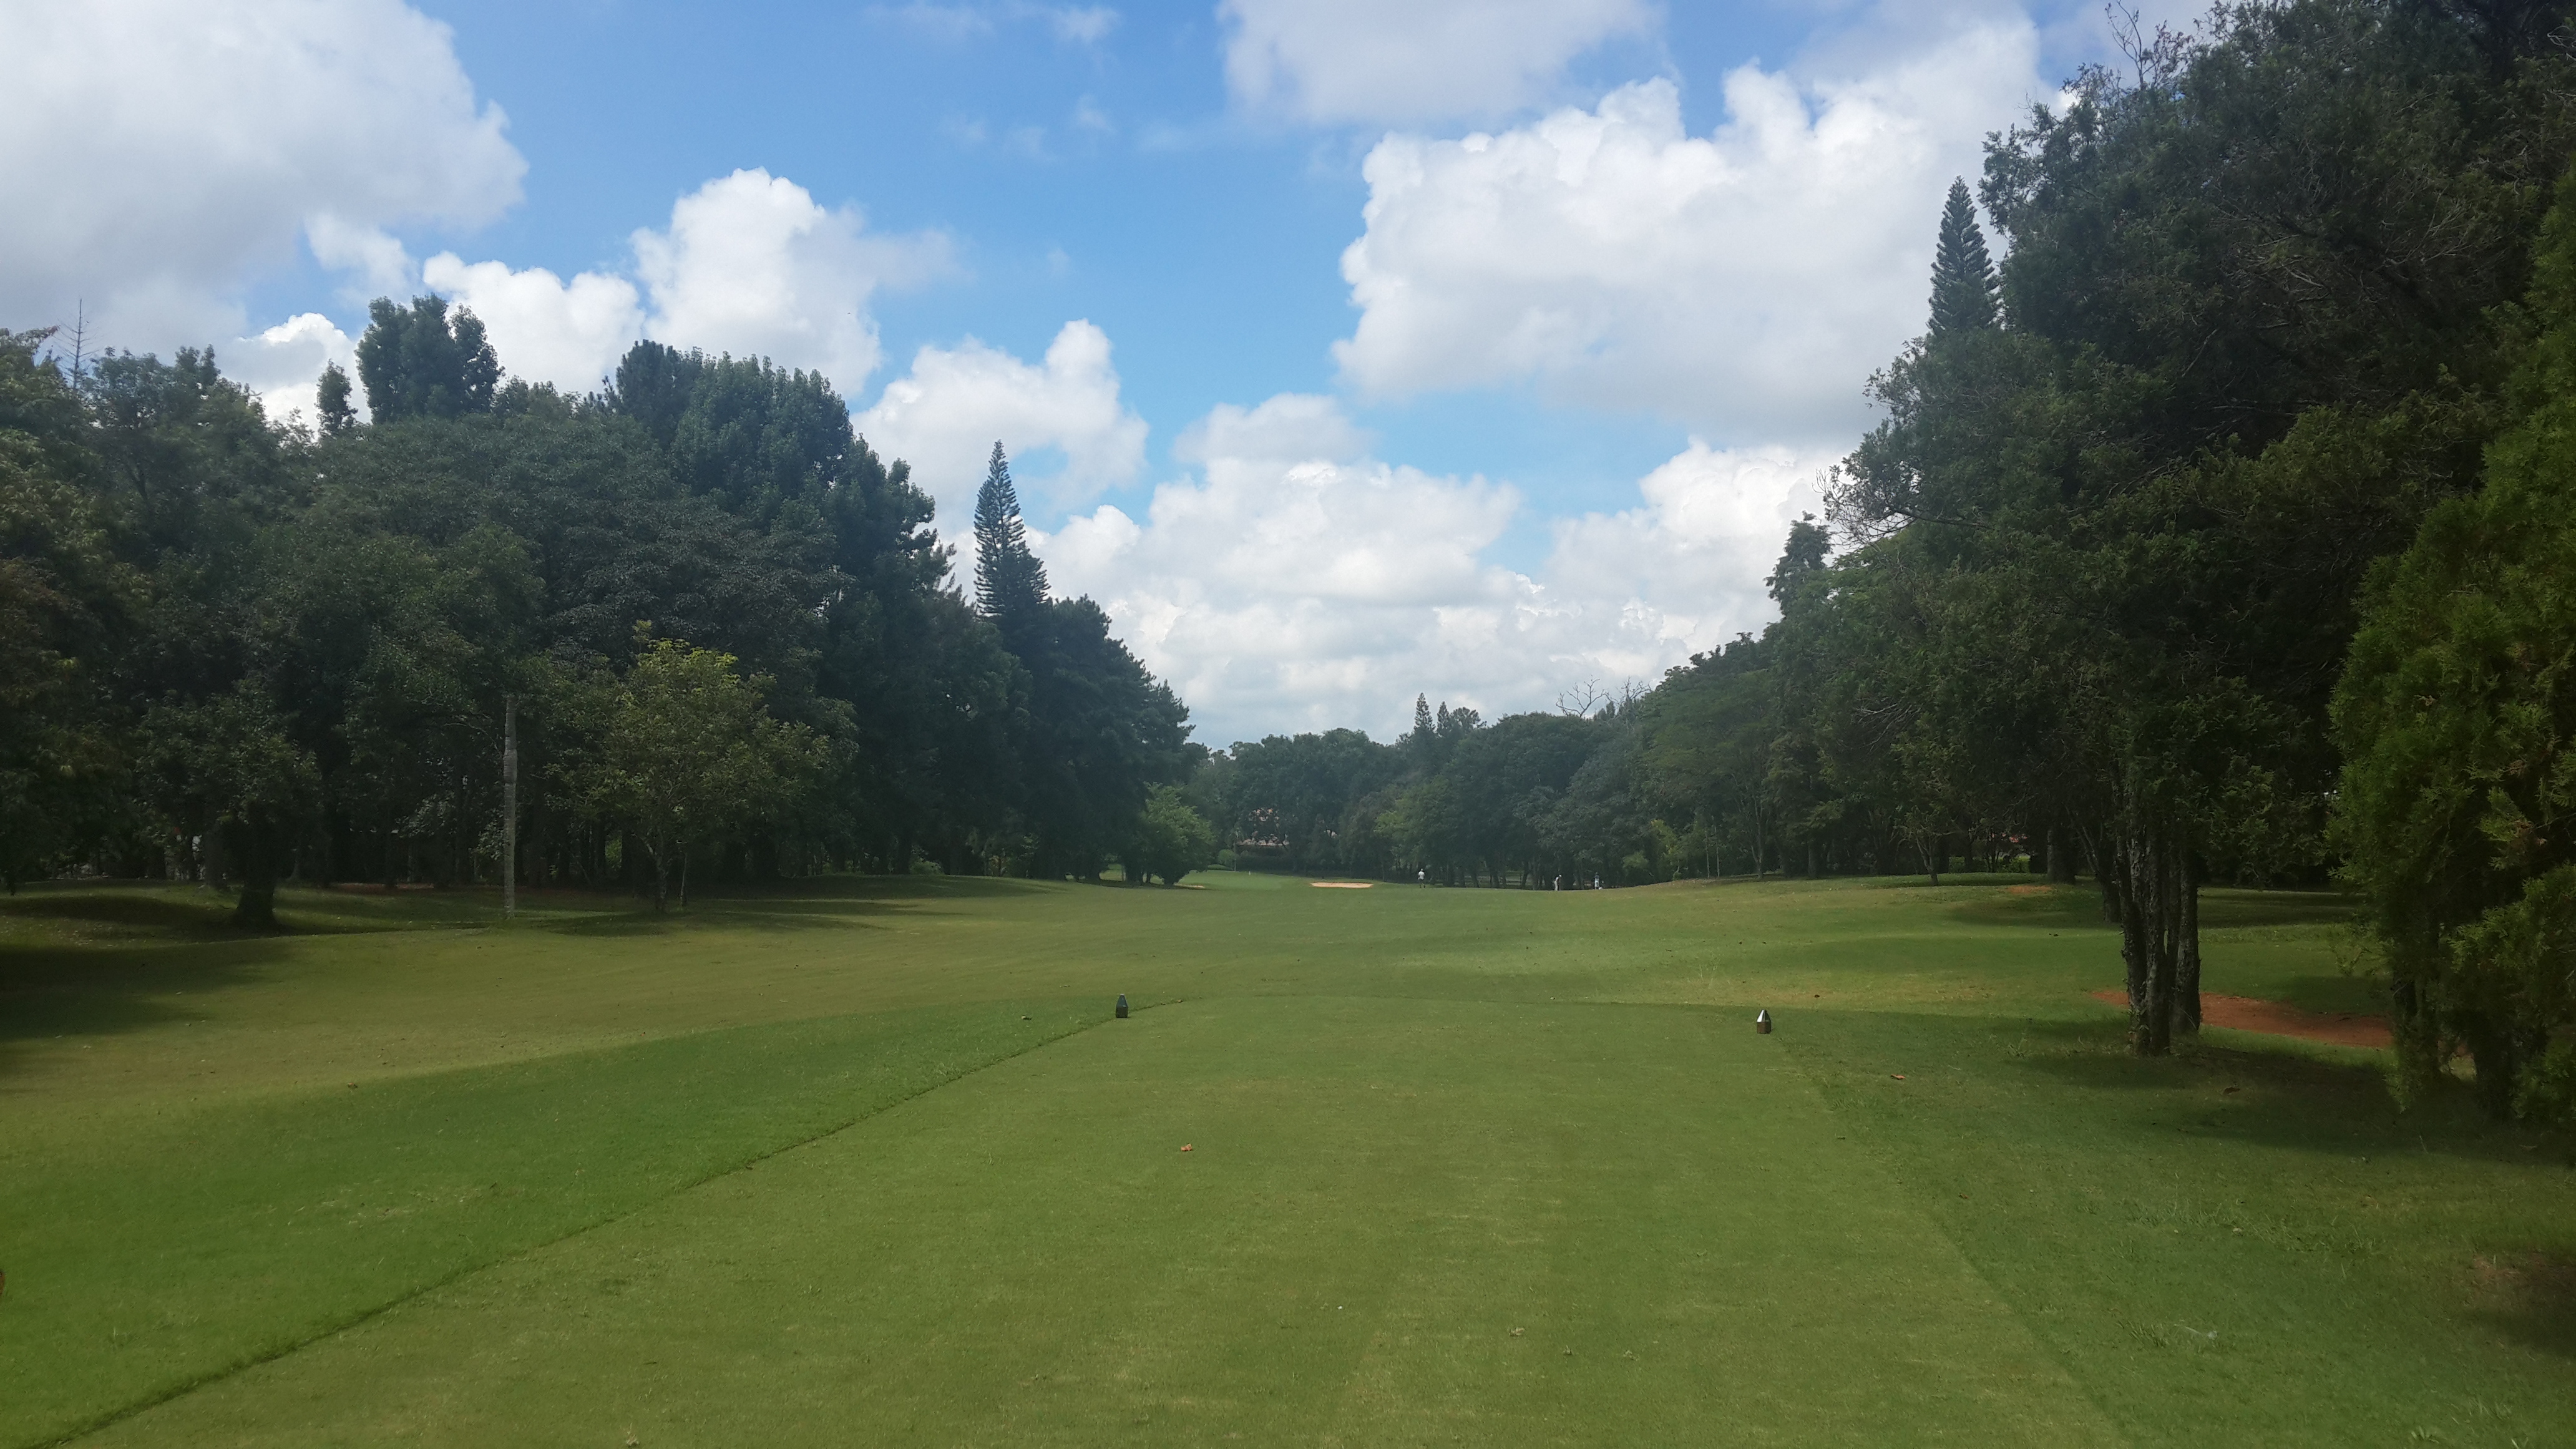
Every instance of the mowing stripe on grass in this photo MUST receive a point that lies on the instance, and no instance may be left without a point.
(249, 1233)
(1381, 1191)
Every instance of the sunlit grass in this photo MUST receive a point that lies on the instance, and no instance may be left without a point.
(870, 1162)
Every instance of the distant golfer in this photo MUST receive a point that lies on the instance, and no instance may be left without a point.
(1422, 876)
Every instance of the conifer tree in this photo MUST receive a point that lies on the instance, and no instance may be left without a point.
(1010, 583)
(1964, 292)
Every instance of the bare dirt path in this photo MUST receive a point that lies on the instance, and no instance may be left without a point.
(2249, 1013)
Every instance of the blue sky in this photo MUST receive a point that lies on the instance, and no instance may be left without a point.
(1622, 270)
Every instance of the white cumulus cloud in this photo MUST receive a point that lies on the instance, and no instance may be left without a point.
(1415, 60)
(752, 264)
(1743, 283)
(1683, 572)
(1292, 427)
(1295, 583)
(160, 154)
(544, 328)
(946, 413)
(281, 363)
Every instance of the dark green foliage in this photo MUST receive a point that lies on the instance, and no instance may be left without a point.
(2108, 558)
(67, 603)
(2458, 800)
(1010, 583)
(683, 751)
(2100, 570)
(1169, 840)
(749, 434)
(1101, 733)
(1458, 801)
(424, 362)
(331, 407)
(1965, 294)
(229, 763)
(1306, 802)
(347, 610)
(1802, 562)
(184, 454)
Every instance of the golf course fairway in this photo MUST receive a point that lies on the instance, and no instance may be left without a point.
(871, 1162)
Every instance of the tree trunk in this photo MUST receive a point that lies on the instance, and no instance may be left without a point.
(684, 877)
(661, 882)
(2163, 930)
(257, 908)
(2061, 859)
(2150, 893)
(2112, 869)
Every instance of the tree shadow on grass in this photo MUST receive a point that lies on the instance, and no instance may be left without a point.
(834, 902)
(888, 887)
(2528, 1297)
(2335, 994)
(50, 991)
(2026, 902)
(825, 903)
(2228, 909)
(156, 912)
(104, 913)
(2291, 1098)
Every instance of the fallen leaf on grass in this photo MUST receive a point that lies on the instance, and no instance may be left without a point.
(1900, 1076)
(1186, 1147)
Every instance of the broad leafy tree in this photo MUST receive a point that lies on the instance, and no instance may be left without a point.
(686, 755)
(424, 361)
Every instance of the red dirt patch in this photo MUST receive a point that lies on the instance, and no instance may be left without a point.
(2029, 890)
(2250, 1013)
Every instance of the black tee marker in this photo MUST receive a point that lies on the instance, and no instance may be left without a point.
(1122, 1008)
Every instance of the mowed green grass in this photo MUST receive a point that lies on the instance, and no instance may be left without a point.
(871, 1162)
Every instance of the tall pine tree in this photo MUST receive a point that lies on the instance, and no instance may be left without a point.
(1965, 295)
(1010, 583)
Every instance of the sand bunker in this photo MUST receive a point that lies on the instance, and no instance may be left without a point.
(1341, 885)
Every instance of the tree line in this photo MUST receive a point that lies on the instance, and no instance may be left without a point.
(2221, 531)
(238, 651)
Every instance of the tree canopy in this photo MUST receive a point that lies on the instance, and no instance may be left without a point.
(238, 651)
